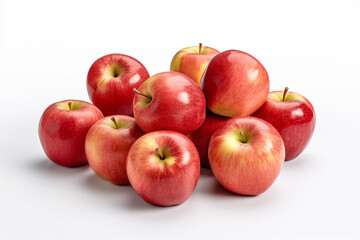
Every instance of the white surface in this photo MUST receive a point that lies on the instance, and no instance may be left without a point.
(46, 50)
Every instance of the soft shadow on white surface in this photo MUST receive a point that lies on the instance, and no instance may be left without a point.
(46, 166)
(301, 163)
(126, 195)
(118, 196)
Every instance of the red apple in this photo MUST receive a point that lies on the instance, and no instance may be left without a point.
(163, 167)
(169, 101)
(62, 130)
(246, 155)
(110, 81)
(192, 61)
(235, 84)
(293, 116)
(107, 144)
(201, 136)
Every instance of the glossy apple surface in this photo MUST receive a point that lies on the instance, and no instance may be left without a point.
(246, 155)
(62, 130)
(294, 118)
(171, 101)
(163, 167)
(110, 81)
(201, 136)
(192, 61)
(107, 144)
(235, 84)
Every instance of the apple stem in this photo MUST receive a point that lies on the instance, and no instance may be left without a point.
(285, 92)
(200, 45)
(137, 91)
(243, 137)
(161, 155)
(70, 105)
(114, 121)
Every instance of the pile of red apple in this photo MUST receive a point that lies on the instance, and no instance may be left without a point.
(212, 110)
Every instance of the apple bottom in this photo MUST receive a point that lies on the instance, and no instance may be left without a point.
(108, 160)
(296, 143)
(163, 192)
(247, 182)
(74, 158)
(163, 167)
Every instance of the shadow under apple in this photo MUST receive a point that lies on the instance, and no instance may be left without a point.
(45, 165)
(301, 163)
(125, 195)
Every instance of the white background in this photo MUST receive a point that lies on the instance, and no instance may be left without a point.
(47, 48)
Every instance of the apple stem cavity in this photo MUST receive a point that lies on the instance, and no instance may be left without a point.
(243, 139)
(137, 91)
(70, 105)
(161, 155)
(285, 92)
(200, 45)
(114, 121)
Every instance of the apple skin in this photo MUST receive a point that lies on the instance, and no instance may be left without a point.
(62, 131)
(107, 146)
(201, 136)
(247, 168)
(165, 182)
(110, 81)
(235, 84)
(177, 104)
(191, 62)
(294, 118)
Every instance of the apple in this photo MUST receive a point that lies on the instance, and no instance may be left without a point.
(201, 136)
(169, 101)
(163, 167)
(293, 116)
(110, 81)
(246, 155)
(107, 144)
(63, 128)
(235, 84)
(192, 61)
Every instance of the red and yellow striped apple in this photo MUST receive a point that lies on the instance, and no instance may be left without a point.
(293, 116)
(63, 128)
(110, 81)
(201, 136)
(107, 144)
(246, 155)
(169, 101)
(163, 167)
(192, 61)
(235, 84)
